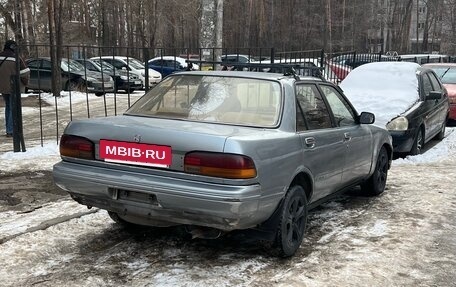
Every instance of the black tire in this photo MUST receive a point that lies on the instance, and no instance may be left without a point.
(376, 183)
(441, 134)
(129, 90)
(418, 143)
(293, 220)
(99, 94)
(74, 86)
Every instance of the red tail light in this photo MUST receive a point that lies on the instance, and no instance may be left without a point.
(220, 165)
(74, 146)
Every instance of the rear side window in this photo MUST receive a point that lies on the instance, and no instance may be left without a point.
(34, 64)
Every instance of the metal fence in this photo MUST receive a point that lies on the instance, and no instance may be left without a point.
(46, 115)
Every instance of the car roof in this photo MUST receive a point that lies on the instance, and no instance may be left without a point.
(168, 58)
(439, 65)
(248, 74)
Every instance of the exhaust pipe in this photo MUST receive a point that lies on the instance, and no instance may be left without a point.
(203, 232)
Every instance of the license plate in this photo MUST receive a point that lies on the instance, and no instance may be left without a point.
(138, 82)
(108, 85)
(135, 153)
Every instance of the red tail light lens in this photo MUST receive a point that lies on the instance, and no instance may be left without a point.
(74, 146)
(220, 165)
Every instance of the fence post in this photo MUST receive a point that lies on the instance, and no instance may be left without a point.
(272, 55)
(322, 58)
(16, 106)
(146, 70)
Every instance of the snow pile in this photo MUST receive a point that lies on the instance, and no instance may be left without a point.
(386, 89)
(442, 151)
(35, 158)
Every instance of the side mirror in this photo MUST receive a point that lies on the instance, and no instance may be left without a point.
(434, 95)
(366, 118)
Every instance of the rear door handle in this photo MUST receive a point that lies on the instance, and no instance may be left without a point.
(310, 142)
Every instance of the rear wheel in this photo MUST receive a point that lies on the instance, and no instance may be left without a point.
(99, 94)
(418, 143)
(375, 185)
(293, 220)
(129, 90)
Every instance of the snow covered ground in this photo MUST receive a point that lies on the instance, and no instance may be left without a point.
(403, 238)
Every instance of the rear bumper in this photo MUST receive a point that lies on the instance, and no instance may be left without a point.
(124, 85)
(157, 200)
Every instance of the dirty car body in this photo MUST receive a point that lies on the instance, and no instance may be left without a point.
(225, 150)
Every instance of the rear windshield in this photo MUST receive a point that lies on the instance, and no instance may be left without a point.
(218, 99)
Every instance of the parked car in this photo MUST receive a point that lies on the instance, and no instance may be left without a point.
(447, 75)
(122, 79)
(407, 99)
(225, 150)
(170, 64)
(133, 66)
(354, 60)
(311, 67)
(73, 77)
(239, 62)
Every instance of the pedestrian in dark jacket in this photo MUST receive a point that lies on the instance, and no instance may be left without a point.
(7, 69)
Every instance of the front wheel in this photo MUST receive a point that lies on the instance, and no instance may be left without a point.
(293, 220)
(418, 143)
(375, 185)
(75, 86)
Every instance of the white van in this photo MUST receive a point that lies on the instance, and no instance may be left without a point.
(133, 66)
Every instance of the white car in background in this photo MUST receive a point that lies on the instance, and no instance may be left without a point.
(133, 66)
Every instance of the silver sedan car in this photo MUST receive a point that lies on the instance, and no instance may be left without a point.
(220, 151)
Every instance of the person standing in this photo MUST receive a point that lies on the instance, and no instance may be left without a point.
(8, 69)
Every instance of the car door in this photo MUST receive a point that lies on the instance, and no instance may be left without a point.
(34, 66)
(46, 75)
(440, 104)
(323, 148)
(357, 138)
(159, 65)
(431, 108)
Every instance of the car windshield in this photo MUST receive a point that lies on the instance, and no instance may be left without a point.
(218, 99)
(135, 64)
(104, 64)
(71, 65)
(446, 74)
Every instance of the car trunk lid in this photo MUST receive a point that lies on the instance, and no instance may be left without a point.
(179, 137)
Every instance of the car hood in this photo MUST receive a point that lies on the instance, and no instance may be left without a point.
(152, 72)
(93, 74)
